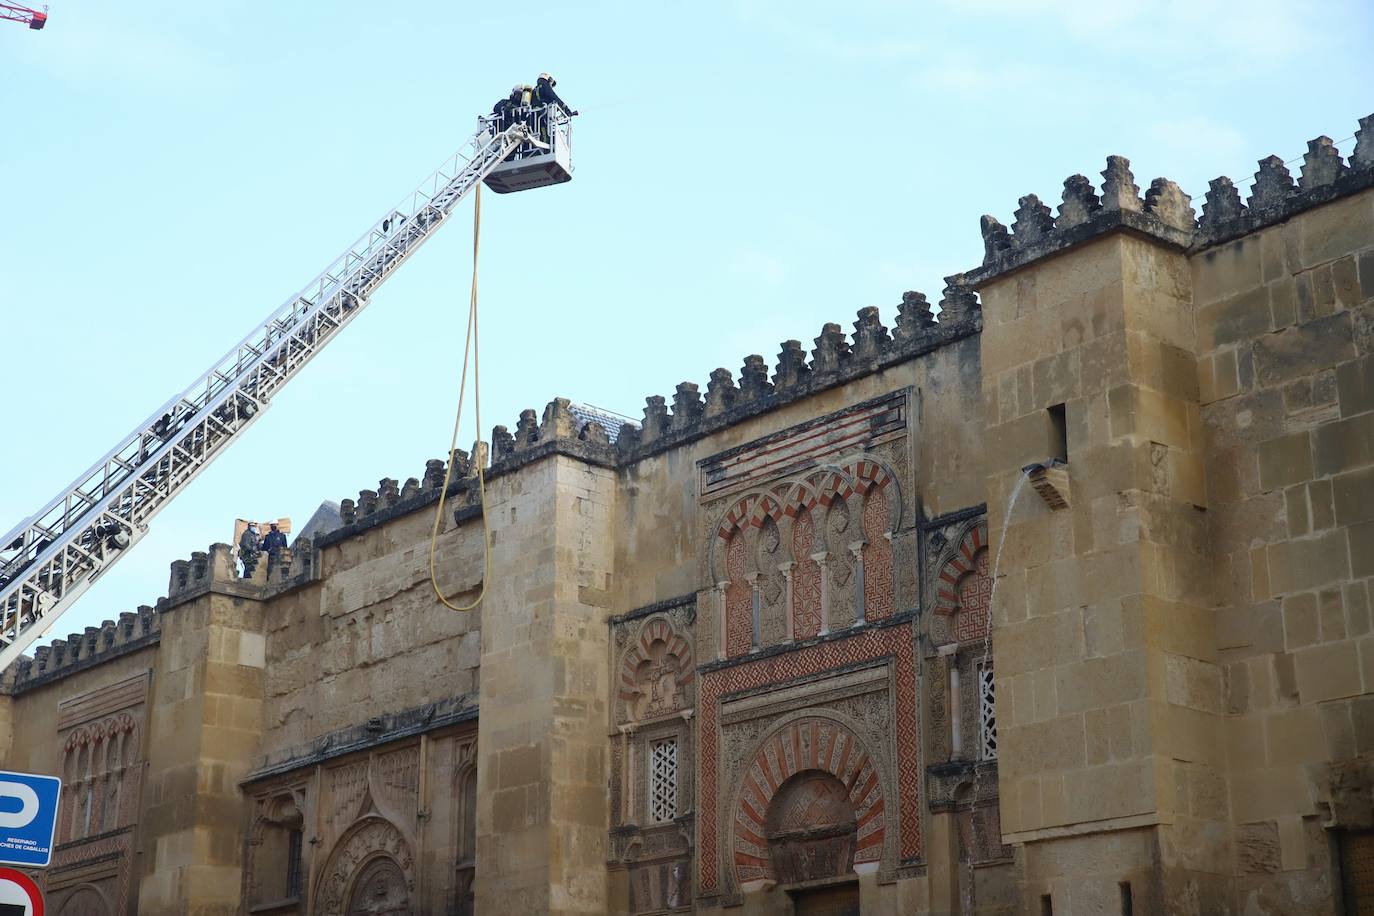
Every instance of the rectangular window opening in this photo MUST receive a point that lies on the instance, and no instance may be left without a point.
(293, 863)
(1059, 428)
(663, 781)
(1127, 904)
(1046, 905)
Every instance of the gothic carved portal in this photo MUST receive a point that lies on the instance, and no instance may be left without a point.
(371, 872)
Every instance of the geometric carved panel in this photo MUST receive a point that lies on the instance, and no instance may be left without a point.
(663, 780)
(960, 593)
(975, 593)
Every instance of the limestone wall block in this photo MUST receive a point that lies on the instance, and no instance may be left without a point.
(1336, 229)
(1328, 672)
(1355, 379)
(1108, 791)
(1307, 563)
(1224, 270)
(1268, 792)
(1304, 349)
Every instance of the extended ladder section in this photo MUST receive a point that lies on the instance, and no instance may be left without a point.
(48, 561)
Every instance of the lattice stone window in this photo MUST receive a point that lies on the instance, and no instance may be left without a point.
(663, 780)
(987, 714)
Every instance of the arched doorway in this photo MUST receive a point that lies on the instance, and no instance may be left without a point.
(811, 827)
(379, 890)
(811, 832)
(84, 901)
(831, 816)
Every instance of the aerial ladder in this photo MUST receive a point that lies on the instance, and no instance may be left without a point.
(34, 19)
(50, 559)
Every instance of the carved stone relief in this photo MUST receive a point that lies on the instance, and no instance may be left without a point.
(840, 563)
(806, 578)
(396, 782)
(380, 890)
(656, 672)
(811, 827)
(346, 790)
(772, 593)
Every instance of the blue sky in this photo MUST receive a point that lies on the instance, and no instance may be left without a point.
(746, 171)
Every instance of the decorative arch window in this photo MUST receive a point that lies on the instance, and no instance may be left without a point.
(961, 629)
(841, 541)
(878, 587)
(97, 759)
(739, 596)
(806, 577)
(656, 672)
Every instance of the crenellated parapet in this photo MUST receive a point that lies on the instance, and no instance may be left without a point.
(205, 568)
(835, 359)
(392, 498)
(79, 651)
(610, 440)
(600, 437)
(1166, 213)
(216, 570)
(562, 421)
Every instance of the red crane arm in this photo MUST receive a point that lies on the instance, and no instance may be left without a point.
(35, 19)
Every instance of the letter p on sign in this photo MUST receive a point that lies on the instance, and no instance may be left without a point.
(28, 819)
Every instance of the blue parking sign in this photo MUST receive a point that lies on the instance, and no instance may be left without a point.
(28, 818)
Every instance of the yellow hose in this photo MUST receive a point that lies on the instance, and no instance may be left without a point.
(469, 345)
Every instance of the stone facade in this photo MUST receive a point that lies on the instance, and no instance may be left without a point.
(1056, 602)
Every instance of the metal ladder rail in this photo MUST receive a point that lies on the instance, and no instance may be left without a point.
(82, 532)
